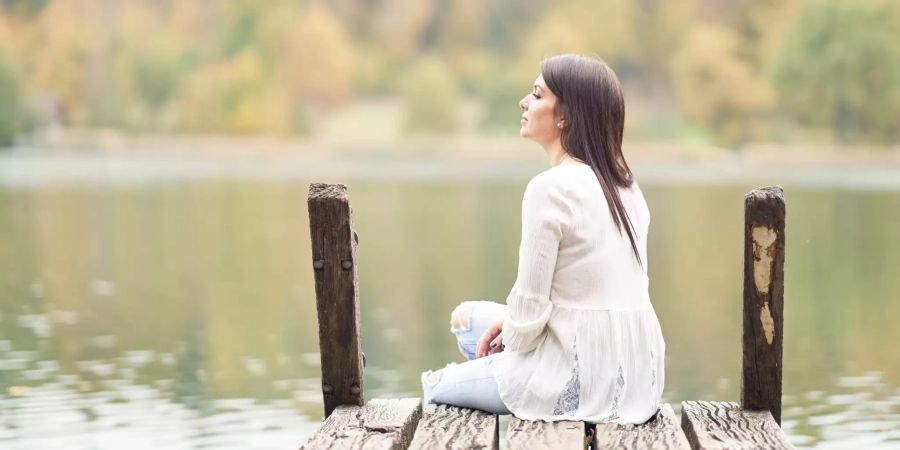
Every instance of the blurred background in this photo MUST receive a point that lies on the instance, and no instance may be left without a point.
(155, 158)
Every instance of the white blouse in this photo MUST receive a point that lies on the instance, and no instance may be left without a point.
(582, 339)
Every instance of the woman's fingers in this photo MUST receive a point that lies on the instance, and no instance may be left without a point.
(483, 343)
(479, 349)
(484, 346)
(496, 345)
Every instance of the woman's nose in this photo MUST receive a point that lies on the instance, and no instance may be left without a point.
(523, 105)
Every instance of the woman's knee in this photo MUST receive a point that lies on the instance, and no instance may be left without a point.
(431, 380)
(468, 385)
(468, 322)
(461, 317)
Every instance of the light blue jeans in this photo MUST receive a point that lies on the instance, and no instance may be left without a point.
(470, 384)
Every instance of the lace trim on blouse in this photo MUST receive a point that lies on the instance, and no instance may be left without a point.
(568, 398)
(617, 398)
(568, 401)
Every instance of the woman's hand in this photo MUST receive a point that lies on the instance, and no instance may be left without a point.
(491, 341)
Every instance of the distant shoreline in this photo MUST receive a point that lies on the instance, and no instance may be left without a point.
(468, 147)
(24, 167)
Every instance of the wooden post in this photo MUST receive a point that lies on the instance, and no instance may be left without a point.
(764, 213)
(337, 297)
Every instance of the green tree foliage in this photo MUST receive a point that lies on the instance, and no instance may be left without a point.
(716, 86)
(508, 21)
(11, 106)
(57, 63)
(313, 57)
(247, 66)
(240, 27)
(659, 27)
(840, 68)
(501, 93)
(26, 7)
(431, 98)
(233, 95)
(398, 27)
(158, 69)
(371, 71)
(763, 25)
(566, 28)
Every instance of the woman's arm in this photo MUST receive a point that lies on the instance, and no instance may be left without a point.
(546, 215)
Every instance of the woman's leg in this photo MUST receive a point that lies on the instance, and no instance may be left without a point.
(469, 385)
(470, 320)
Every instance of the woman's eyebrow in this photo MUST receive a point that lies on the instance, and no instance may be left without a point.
(537, 87)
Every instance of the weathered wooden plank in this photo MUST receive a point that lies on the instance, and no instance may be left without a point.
(528, 434)
(724, 425)
(381, 424)
(764, 214)
(337, 295)
(661, 432)
(449, 427)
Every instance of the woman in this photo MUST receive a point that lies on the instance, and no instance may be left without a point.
(578, 338)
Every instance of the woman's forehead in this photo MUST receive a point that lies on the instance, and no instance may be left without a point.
(539, 81)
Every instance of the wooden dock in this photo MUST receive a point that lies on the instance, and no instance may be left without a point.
(404, 423)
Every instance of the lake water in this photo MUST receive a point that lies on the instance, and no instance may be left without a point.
(176, 308)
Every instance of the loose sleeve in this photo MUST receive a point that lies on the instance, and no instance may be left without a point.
(546, 216)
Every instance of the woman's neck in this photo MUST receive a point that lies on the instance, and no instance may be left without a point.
(558, 156)
(556, 153)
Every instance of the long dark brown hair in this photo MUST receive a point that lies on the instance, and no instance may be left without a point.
(591, 103)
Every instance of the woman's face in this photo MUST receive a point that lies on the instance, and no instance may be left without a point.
(539, 121)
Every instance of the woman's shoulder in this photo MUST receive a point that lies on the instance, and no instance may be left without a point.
(563, 175)
(552, 181)
(554, 188)
(578, 182)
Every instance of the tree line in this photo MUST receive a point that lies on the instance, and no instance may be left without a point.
(739, 71)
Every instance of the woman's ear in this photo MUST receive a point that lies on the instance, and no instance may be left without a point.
(561, 113)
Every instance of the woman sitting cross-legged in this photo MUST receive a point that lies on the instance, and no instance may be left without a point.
(578, 338)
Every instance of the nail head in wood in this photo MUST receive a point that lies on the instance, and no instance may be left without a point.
(347, 264)
(319, 264)
(354, 390)
(327, 389)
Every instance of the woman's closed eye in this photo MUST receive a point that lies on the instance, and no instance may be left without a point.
(534, 94)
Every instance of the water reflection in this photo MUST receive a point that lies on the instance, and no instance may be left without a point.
(182, 314)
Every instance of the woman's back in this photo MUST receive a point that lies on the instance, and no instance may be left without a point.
(599, 353)
(595, 266)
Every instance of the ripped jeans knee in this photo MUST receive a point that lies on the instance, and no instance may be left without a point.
(470, 320)
(470, 385)
(460, 318)
(430, 380)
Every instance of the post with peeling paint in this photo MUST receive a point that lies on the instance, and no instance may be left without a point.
(764, 213)
(337, 295)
